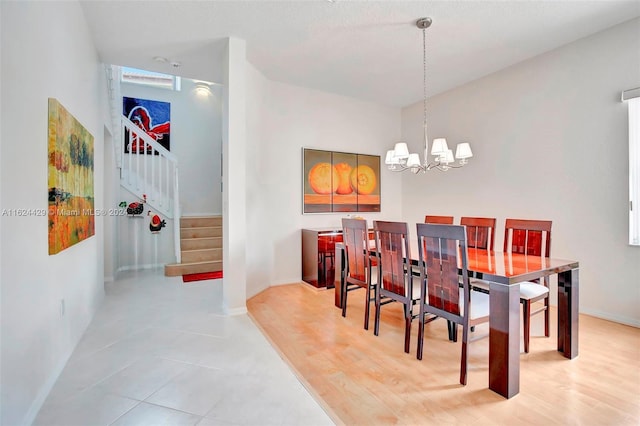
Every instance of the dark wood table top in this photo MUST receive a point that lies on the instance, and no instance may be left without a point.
(505, 268)
(512, 268)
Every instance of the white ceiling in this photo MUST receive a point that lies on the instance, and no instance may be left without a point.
(370, 50)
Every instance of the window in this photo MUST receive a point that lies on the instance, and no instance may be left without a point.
(150, 78)
(632, 98)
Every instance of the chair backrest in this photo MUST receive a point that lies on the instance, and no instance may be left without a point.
(439, 247)
(356, 241)
(527, 237)
(446, 220)
(481, 231)
(394, 263)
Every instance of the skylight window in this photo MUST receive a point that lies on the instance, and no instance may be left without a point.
(150, 78)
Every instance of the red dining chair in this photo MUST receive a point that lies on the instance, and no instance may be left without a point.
(358, 266)
(446, 220)
(532, 237)
(396, 282)
(481, 234)
(439, 247)
(481, 231)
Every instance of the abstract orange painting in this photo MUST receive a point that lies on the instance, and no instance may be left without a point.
(340, 182)
(71, 202)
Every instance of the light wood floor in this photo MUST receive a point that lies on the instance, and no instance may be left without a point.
(362, 379)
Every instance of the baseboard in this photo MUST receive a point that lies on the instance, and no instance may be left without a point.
(610, 317)
(140, 267)
(37, 403)
(287, 282)
(235, 311)
(208, 214)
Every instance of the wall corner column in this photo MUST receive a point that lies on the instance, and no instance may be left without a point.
(234, 179)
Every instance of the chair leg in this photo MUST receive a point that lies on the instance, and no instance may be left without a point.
(526, 318)
(407, 327)
(376, 323)
(367, 300)
(420, 335)
(344, 298)
(464, 363)
(546, 316)
(453, 331)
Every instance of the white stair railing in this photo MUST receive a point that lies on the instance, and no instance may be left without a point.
(150, 171)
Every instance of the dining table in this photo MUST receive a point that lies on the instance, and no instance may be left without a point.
(505, 272)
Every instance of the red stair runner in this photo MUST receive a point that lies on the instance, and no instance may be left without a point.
(202, 276)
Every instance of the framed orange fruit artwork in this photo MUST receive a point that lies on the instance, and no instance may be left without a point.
(340, 182)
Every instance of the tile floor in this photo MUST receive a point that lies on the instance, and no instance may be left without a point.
(161, 352)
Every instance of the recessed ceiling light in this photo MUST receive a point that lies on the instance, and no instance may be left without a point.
(160, 59)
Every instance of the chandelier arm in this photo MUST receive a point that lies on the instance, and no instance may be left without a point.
(424, 168)
(403, 167)
(445, 167)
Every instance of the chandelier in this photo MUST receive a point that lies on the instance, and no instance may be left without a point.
(399, 159)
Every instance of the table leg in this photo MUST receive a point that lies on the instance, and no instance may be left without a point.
(504, 339)
(339, 275)
(568, 313)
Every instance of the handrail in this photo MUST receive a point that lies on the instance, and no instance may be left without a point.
(139, 133)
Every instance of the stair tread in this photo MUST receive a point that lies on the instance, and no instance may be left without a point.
(197, 232)
(200, 221)
(198, 227)
(200, 238)
(202, 249)
(176, 269)
(194, 263)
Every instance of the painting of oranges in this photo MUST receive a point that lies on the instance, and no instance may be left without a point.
(340, 182)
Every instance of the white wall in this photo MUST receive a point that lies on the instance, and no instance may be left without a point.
(234, 148)
(46, 52)
(281, 120)
(550, 141)
(111, 184)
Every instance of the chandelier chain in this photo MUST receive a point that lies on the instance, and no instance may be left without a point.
(424, 86)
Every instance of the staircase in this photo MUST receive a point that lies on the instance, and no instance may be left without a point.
(147, 169)
(150, 172)
(201, 246)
